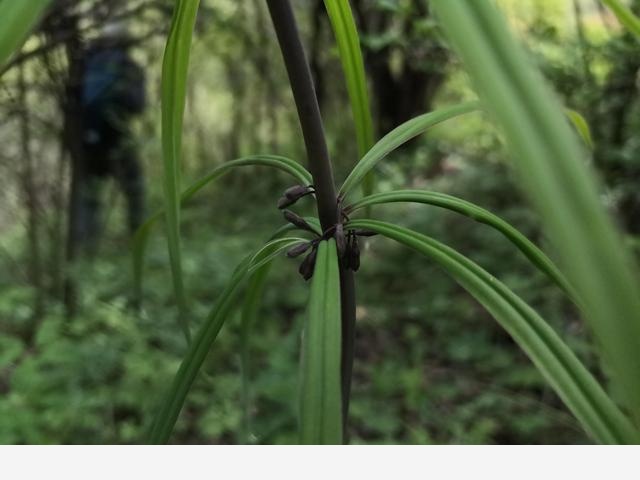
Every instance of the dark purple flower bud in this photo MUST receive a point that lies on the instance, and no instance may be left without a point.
(298, 250)
(293, 194)
(284, 202)
(297, 191)
(308, 264)
(298, 221)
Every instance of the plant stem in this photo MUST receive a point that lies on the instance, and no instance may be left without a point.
(308, 110)
(320, 167)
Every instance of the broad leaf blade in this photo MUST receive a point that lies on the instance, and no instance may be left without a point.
(17, 18)
(582, 394)
(320, 398)
(399, 136)
(550, 162)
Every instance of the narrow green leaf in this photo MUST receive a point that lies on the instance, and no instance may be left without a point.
(250, 308)
(198, 349)
(141, 238)
(346, 33)
(17, 19)
(399, 136)
(533, 253)
(582, 394)
(581, 126)
(624, 14)
(173, 93)
(551, 164)
(320, 398)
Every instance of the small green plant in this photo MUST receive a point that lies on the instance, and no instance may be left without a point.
(595, 271)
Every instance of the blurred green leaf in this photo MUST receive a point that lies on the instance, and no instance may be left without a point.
(581, 126)
(624, 15)
(552, 170)
(17, 19)
(173, 91)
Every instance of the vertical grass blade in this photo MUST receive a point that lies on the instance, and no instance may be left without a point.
(173, 93)
(346, 33)
(582, 394)
(624, 15)
(17, 18)
(320, 396)
(249, 314)
(551, 166)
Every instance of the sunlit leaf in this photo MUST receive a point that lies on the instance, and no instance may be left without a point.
(624, 14)
(17, 19)
(581, 126)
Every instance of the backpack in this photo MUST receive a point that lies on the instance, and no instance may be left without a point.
(113, 90)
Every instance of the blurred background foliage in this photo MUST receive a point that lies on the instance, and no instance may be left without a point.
(431, 365)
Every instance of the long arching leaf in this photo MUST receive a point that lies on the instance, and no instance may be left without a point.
(551, 164)
(198, 349)
(533, 253)
(399, 136)
(320, 396)
(582, 394)
(17, 18)
(248, 317)
(141, 237)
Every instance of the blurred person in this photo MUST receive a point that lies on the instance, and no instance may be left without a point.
(112, 93)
